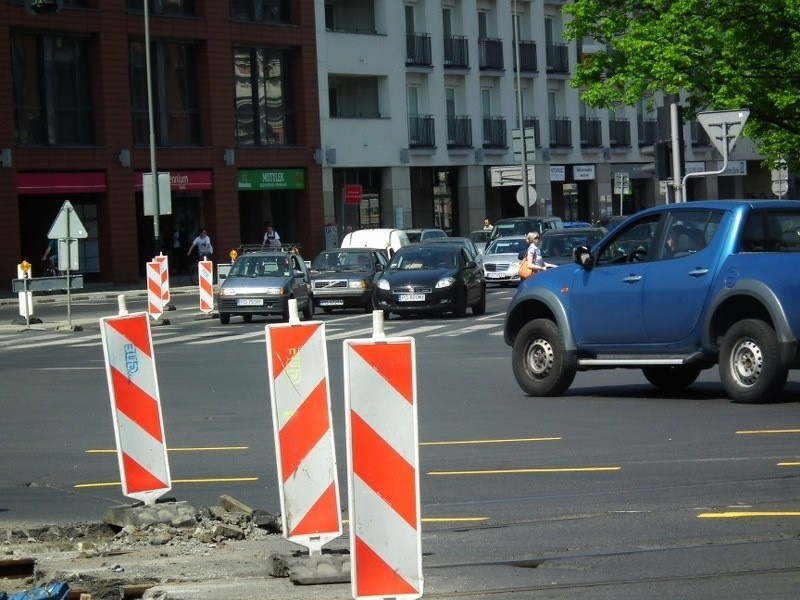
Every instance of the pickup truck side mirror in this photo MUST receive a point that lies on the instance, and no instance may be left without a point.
(583, 257)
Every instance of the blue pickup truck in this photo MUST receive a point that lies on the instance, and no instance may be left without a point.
(674, 290)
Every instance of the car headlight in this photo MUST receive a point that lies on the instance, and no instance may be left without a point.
(445, 282)
(383, 284)
(357, 284)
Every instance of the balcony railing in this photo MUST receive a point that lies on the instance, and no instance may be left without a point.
(456, 52)
(459, 132)
(557, 58)
(648, 131)
(527, 58)
(421, 133)
(494, 132)
(560, 132)
(533, 122)
(591, 132)
(619, 133)
(699, 135)
(490, 54)
(418, 49)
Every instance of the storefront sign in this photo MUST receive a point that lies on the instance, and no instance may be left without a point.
(61, 183)
(583, 172)
(183, 181)
(352, 194)
(558, 173)
(272, 179)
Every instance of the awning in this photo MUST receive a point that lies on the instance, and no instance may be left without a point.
(183, 181)
(61, 183)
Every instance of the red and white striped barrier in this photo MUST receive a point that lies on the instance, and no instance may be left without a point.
(205, 284)
(155, 294)
(301, 419)
(383, 467)
(136, 406)
(163, 260)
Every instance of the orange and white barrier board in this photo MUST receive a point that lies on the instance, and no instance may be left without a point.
(163, 260)
(155, 294)
(301, 419)
(383, 468)
(205, 283)
(136, 406)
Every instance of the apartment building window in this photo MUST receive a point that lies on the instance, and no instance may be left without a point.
(52, 90)
(261, 11)
(176, 112)
(163, 7)
(264, 104)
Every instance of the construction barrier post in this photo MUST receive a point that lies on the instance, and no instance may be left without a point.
(155, 294)
(205, 284)
(167, 299)
(301, 418)
(135, 406)
(383, 465)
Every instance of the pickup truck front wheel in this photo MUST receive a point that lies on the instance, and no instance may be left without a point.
(749, 362)
(538, 360)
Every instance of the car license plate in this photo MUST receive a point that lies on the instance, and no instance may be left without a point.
(411, 298)
(332, 302)
(495, 275)
(250, 302)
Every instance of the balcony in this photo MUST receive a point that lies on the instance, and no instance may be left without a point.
(533, 122)
(418, 50)
(619, 133)
(560, 132)
(648, 132)
(557, 58)
(527, 58)
(459, 132)
(494, 132)
(490, 54)
(591, 132)
(456, 52)
(421, 132)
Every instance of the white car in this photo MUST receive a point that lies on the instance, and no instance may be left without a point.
(501, 259)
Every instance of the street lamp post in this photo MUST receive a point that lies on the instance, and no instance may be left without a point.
(524, 159)
(153, 173)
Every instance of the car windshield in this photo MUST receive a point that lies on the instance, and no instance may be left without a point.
(423, 258)
(261, 266)
(342, 261)
(506, 246)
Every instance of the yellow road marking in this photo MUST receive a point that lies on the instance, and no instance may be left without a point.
(762, 431)
(532, 470)
(190, 449)
(211, 480)
(508, 441)
(789, 464)
(743, 514)
(453, 519)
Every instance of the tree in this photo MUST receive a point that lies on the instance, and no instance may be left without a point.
(720, 54)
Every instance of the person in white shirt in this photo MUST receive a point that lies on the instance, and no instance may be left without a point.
(203, 244)
(271, 237)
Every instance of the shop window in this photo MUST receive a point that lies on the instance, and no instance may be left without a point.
(176, 112)
(52, 90)
(264, 104)
(261, 11)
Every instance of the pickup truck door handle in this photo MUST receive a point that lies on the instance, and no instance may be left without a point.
(632, 279)
(698, 272)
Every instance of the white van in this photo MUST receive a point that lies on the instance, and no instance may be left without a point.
(388, 240)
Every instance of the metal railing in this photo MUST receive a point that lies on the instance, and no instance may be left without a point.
(459, 132)
(494, 132)
(490, 54)
(421, 133)
(456, 51)
(418, 49)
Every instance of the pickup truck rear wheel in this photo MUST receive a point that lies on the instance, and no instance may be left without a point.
(749, 362)
(538, 360)
(672, 378)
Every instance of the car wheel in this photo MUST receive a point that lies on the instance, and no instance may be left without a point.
(480, 307)
(308, 311)
(460, 303)
(247, 318)
(224, 318)
(672, 378)
(538, 361)
(749, 362)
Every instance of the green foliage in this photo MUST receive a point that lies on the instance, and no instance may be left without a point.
(721, 54)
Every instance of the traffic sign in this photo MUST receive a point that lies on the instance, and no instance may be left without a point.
(622, 183)
(723, 127)
(779, 188)
(67, 224)
(530, 144)
(531, 196)
(505, 176)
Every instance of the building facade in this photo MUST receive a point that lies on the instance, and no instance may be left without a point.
(235, 118)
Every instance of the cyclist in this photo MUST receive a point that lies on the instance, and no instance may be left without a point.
(50, 258)
(203, 244)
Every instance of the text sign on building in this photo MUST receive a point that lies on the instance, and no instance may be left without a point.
(583, 172)
(352, 194)
(271, 179)
(558, 173)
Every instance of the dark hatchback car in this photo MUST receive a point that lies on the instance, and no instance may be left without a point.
(431, 278)
(262, 283)
(345, 277)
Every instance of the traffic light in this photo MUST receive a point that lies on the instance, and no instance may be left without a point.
(43, 7)
(661, 154)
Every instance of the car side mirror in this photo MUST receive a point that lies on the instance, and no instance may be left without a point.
(582, 256)
(471, 264)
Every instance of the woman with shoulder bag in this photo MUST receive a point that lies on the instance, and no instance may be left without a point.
(534, 260)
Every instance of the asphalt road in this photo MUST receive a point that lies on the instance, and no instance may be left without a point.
(613, 490)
